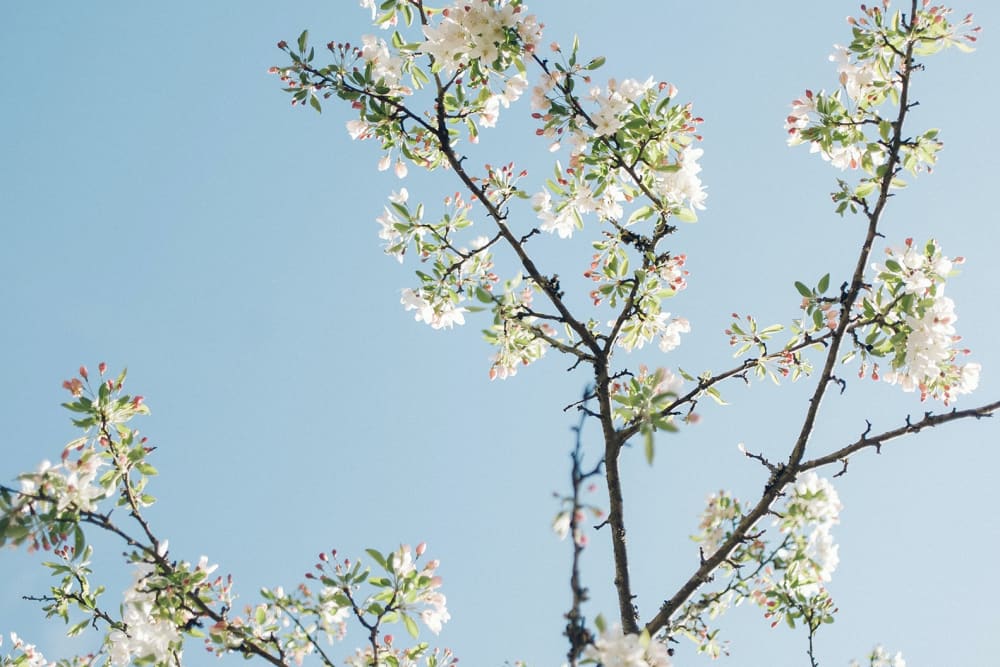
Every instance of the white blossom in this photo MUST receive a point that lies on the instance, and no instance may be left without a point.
(475, 30)
(858, 80)
(441, 315)
(145, 635)
(682, 186)
(616, 649)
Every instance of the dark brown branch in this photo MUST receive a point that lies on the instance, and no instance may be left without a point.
(929, 421)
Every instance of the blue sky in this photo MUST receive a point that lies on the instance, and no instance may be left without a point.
(162, 207)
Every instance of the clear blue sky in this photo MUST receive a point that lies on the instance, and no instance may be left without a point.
(162, 207)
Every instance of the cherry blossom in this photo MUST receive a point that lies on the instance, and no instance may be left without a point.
(613, 648)
(682, 187)
(879, 657)
(440, 315)
(145, 635)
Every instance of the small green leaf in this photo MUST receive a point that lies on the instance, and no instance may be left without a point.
(483, 295)
(78, 628)
(716, 396)
(824, 283)
(864, 189)
(303, 38)
(600, 623)
(803, 290)
(640, 214)
(146, 469)
(79, 541)
(411, 626)
(686, 215)
(377, 557)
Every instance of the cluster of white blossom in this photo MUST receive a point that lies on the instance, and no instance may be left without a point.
(387, 69)
(567, 214)
(540, 93)
(929, 362)
(30, 655)
(720, 511)
(392, 231)
(71, 484)
(814, 504)
(513, 89)
(683, 187)
(614, 648)
(440, 313)
(637, 331)
(673, 273)
(614, 102)
(430, 603)
(477, 30)
(860, 81)
(145, 636)
(332, 616)
(879, 657)
(390, 655)
(841, 155)
(918, 269)
(515, 338)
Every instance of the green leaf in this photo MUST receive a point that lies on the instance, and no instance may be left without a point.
(884, 128)
(303, 38)
(640, 214)
(377, 557)
(483, 295)
(864, 189)
(824, 283)
(79, 541)
(146, 469)
(803, 290)
(716, 396)
(647, 434)
(411, 626)
(78, 628)
(596, 63)
(686, 215)
(600, 623)
(314, 103)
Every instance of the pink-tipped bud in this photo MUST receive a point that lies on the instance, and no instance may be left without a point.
(137, 401)
(421, 548)
(83, 372)
(102, 368)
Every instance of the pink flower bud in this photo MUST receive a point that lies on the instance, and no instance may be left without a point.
(83, 372)
(137, 401)
(421, 548)
(282, 44)
(102, 368)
